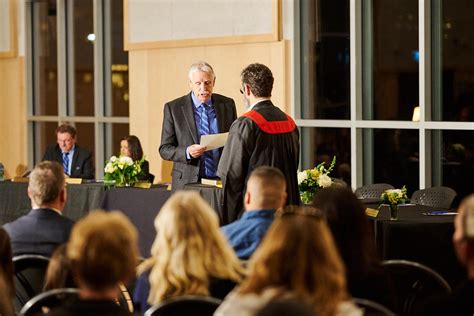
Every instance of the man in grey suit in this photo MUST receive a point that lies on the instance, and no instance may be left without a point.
(187, 118)
(43, 228)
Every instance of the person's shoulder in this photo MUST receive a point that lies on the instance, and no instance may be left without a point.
(180, 100)
(82, 150)
(219, 98)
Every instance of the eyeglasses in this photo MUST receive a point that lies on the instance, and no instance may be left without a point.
(241, 91)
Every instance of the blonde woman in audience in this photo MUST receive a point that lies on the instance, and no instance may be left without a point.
(103, 253)
(297, 259)
(190, 256)
(7, 287)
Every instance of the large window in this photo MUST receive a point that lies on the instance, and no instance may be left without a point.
(77, 73)
(402, 108)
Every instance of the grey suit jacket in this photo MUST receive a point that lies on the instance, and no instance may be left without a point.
(180, 131)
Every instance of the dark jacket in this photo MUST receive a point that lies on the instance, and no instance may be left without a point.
(82, 166)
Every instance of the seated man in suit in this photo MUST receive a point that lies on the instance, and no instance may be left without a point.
(44, 227)
(185, 119)
(76, 161)
(266, 192)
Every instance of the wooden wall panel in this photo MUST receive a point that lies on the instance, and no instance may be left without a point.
(160, 75)
(13, 143)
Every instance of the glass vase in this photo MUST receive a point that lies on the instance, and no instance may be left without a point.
(393, 212)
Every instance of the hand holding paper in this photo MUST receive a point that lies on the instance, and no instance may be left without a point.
(213, 141)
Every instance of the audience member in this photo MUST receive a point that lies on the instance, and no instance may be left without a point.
(190, 256)
(44, 228)
(130, 146)
(59, 272)
(263, 136)
(266, 192)
(285, 307)
(7, 287)
(76, 161)
(297, 259)
(350, 228)
(460, 302)
(186, 119)
(103, 252)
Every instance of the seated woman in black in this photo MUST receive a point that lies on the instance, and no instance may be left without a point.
(349, 225)
(130, 146)
(190, 256)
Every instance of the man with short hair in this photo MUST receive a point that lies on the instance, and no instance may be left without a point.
(263, 136)
(44, 227)
(186, 119)
(76, 161)
(266, 192)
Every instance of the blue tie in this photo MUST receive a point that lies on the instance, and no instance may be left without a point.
(209, 166)
(66, 162)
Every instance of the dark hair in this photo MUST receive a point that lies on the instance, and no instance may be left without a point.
(136, 151)
(6, 264)
(349, 225)
(65, 128)
(59, 273)
(259, 78)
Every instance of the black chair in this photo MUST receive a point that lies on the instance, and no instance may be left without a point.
(185, 305)
(44, 302)
(372, 308)
(414, 284)
(441, 197)
(372, 191)
(29, 276)
(125, 299)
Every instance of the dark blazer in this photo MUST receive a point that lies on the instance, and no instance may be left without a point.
(82, 166)
(179, 131)
(38, 232)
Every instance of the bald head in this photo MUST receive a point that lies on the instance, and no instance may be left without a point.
(266, 189)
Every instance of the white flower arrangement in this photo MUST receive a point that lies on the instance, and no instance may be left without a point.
(311, 180)
(395, 196)
(122, 170)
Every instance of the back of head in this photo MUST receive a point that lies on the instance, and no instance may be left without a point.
(6, 264)
(349, 225)
(201, 66)
(464, 224)
(59, 272)
(135, 147)
(46, 182)
(299, 256)
(267, 188)
(189, 249)
(260, 79)
(103, 250)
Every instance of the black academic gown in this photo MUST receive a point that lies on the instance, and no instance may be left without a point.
(249, 146)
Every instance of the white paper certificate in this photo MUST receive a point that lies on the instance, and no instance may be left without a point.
(213, 141)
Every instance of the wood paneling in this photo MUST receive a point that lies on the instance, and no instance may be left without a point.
(161, 75)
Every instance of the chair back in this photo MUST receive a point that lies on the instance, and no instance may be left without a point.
(372, 191)
(372, 308)
(125, 299)
(414, 284)
(44, 302)
(186, 305)
(30, 271)
(441, 197)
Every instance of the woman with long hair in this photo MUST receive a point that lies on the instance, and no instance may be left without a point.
(189, 256)
(349, 225)
(296, 259)
(130, 146)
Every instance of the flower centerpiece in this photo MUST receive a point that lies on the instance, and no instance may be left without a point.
(311, 180)
(123, 171)
(393, 198)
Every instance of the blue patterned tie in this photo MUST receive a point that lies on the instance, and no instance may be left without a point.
(66, 162)
(209, 166)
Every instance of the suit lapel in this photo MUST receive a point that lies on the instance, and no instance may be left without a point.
(220, 115)
(74, 160)
(188, 113)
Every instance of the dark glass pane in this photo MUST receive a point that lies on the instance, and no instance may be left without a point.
(457, 162)
(85, 136)
(390, 59)
(325, 67)
(453, 65)
(321, 144)
(44, 54)
(83, 51)
(395, 157)
(119, 71)
(114, 133)
(44, 135)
